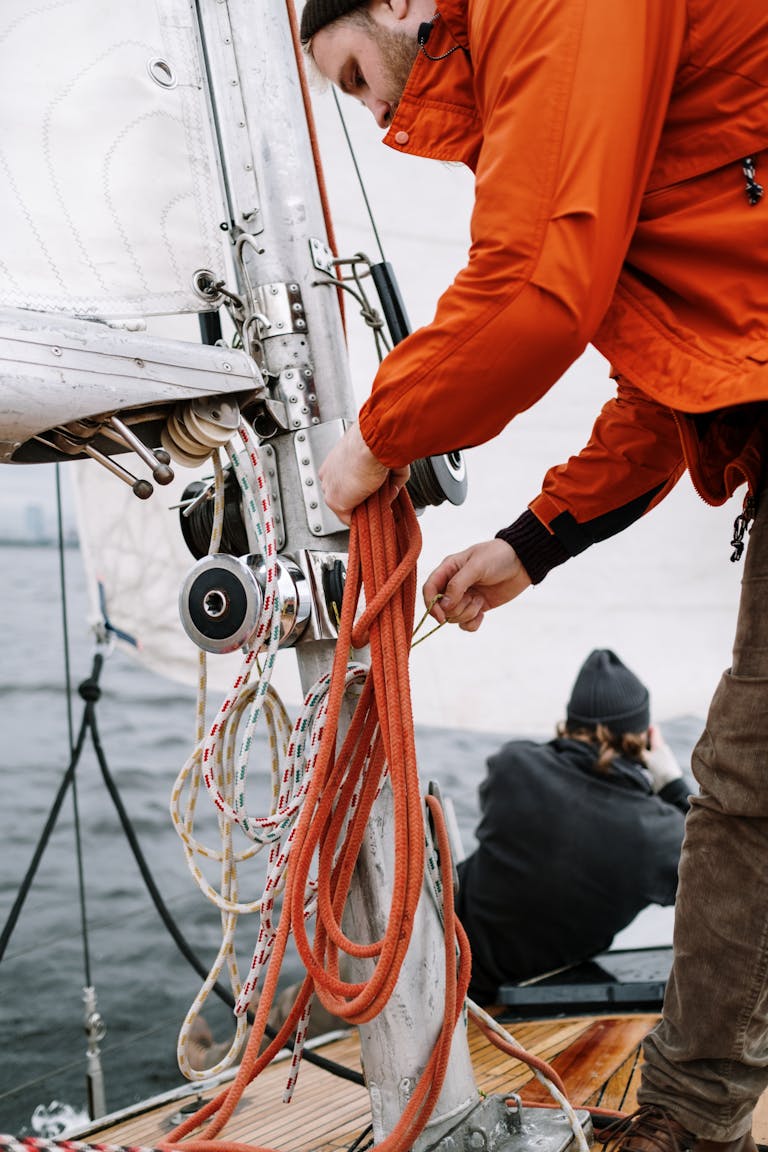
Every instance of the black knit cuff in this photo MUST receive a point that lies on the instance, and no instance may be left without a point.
(539, 551)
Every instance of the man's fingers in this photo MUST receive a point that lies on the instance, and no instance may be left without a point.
(465, 611)
(435, 590)
(457, 594)
(451, 582)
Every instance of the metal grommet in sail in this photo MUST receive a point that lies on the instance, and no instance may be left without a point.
(161, 72)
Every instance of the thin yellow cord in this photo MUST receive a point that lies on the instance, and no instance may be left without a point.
(420, 624)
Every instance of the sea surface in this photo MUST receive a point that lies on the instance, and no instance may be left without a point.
(146, 723)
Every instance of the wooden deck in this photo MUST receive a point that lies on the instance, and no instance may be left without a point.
(598, 1058)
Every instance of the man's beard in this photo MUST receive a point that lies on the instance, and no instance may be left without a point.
(398, 53)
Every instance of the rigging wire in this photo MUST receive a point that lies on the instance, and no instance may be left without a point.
(70, 733)
(359, 175)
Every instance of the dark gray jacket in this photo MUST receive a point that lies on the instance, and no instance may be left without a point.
(566, 858)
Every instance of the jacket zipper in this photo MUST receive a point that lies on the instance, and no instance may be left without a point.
(741, 526)
(694, 485)
(752, 190)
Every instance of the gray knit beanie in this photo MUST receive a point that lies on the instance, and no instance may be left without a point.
(606, 692)
(318, 13)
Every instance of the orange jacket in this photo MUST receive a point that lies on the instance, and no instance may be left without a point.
(612, 207)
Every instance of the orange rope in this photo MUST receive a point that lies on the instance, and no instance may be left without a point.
(513, 1049)
(593, 1109)
(384, 546)
(312, 129)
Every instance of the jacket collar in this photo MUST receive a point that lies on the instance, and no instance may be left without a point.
(437, 116)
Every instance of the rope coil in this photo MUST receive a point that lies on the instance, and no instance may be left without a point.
(322, 799)
(338, 794)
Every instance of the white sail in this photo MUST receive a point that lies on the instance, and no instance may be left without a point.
(114, 219)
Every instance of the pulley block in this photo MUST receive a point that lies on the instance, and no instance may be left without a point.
(222, 600)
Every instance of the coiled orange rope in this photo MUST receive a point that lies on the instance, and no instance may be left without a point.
(384, 545)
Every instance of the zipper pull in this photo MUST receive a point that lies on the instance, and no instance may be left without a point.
(740, 527)
(753, 190)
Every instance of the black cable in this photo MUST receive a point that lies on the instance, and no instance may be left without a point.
(45, 836)
(359, 1145)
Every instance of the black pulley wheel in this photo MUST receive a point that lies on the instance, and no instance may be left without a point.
(435, 479)
(197, 527)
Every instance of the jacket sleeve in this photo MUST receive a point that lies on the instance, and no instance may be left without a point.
(678, 794)
(633, 459)
(572, 96)
(664, 841)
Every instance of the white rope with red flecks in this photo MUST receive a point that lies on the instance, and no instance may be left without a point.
(220, 761)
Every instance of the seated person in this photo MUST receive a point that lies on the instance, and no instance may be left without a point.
(576, 836)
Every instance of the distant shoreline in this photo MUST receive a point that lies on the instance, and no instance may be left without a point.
(10, 542)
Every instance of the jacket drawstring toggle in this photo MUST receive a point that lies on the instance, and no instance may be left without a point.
(753, 190)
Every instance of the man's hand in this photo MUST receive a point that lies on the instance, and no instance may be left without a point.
(351, 473)
(482, 577)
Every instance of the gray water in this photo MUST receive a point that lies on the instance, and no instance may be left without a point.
(144, 985)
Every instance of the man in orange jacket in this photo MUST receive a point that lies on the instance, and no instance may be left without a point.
(617, 150)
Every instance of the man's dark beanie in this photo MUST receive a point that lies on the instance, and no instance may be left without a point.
(318, 13)
(606, 692)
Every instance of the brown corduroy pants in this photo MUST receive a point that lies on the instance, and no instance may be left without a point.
(707, 1061)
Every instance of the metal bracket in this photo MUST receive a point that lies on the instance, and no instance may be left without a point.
(312, 445)
(499, 1124)
(297, 387)
(282, 307)
(322, 257)
(269, 462)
